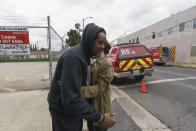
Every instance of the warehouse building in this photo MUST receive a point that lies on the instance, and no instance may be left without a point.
(178, 30)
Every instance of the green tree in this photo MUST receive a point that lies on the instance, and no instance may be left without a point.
(74, 37)
(77, 26)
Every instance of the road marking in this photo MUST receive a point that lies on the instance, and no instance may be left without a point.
(35, 71)
(170, 80)
(8, 89)
(169, 72)
(144, 119)
(185, 85)
(160, 81)
(12, 78)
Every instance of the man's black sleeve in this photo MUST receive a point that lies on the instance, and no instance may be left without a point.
(71, 82)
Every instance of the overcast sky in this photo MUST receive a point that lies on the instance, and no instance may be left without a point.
(116, 16)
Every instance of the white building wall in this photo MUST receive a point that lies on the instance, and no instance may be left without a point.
(182, 40)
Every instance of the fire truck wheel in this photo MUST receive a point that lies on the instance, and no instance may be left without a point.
(139, 77)
(115, 80)
(162, 64)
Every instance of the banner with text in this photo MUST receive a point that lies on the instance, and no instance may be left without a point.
(14, 40)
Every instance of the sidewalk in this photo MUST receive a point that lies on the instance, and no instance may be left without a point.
(187, 65)
(24, 111)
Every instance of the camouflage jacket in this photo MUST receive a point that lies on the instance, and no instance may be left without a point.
(100, 89)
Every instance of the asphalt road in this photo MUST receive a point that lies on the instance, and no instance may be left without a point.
(171, 96)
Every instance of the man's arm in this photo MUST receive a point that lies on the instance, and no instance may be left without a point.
(71, 81)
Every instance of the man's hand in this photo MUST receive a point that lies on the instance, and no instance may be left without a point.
(108, 122)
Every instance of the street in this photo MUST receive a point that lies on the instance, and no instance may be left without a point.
(171, 96)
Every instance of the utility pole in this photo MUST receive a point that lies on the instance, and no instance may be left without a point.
(84, 20)
(37, 45)
(49, 51)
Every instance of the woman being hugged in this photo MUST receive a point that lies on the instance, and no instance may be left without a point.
(99, 91)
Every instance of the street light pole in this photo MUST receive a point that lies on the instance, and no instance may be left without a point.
(84, 20)
(83, 23)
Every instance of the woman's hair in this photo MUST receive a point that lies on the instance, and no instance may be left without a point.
(107, 48)
(97, 35)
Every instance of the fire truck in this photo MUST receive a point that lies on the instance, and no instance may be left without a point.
(131, 60)
(160, 54)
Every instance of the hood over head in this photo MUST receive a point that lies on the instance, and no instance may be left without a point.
(88, 37)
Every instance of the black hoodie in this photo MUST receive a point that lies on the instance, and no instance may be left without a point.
(70, 75)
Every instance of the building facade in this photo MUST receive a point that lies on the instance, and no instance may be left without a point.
(178, 30)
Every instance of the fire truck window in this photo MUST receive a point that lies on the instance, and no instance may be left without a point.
(113, 52)
(165, 49)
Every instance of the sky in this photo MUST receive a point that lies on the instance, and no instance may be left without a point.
(117, 17)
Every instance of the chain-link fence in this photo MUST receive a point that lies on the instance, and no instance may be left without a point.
(32, 63)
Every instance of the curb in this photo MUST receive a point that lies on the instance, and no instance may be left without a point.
(183, 65)
(144, 119)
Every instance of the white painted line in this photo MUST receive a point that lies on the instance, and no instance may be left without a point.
(169, 72)
(8, 89)
(160, 81)
(13, 78)
(144, 119)
(170, 80)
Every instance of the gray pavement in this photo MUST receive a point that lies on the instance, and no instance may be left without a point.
(24, 111)
(171, 96)
(123, 121)
(20, 76)
(28, 110)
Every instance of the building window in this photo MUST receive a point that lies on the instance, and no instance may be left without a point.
(181, 27)
(194, 23)
(137, 40)
(160, 34)
(193, 51)
(153, 35)
(170, 30)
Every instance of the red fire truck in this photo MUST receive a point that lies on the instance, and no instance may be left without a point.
(131, 60)
(160, 54)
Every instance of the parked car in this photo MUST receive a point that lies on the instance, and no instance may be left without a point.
(131, 60)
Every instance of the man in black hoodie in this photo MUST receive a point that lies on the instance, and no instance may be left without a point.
(66, 106)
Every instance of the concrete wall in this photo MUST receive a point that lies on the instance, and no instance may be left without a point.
(182, 40)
